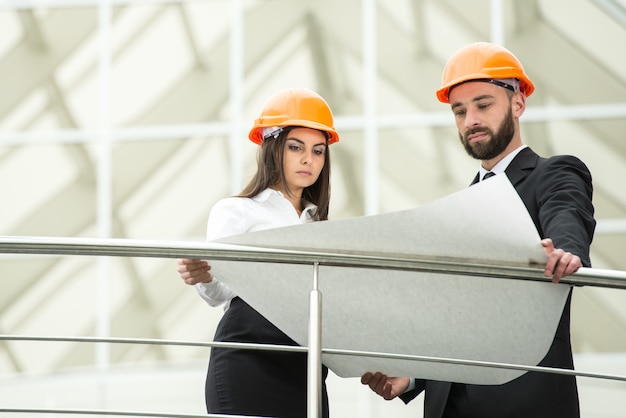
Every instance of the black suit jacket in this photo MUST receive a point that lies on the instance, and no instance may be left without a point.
(557, 192)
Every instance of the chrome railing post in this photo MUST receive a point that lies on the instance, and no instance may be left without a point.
(314, 400)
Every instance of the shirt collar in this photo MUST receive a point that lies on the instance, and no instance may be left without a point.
(502, 165)
(267, 194)
(309, 208)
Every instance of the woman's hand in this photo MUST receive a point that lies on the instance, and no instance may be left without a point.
(194, 271)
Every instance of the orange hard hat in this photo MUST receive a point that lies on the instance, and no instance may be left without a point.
(482, 61)
(295, 107)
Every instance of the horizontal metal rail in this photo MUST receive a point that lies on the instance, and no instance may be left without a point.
(115, 413)
(205, 250)
(291, 348)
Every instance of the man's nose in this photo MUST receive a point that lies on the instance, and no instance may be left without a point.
(471, 118)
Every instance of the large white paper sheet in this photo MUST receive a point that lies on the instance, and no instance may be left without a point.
(426, 314)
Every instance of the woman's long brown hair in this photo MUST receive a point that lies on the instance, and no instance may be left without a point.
(270, 173)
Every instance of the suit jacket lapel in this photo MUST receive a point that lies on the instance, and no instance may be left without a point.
(525, 160)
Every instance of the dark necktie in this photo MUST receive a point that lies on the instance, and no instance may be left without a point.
(488, 174)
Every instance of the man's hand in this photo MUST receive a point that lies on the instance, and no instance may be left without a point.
(387, 387)
(560, 263)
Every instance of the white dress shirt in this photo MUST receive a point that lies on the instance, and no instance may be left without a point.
(238, 215)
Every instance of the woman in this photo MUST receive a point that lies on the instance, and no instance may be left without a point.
(291, 186)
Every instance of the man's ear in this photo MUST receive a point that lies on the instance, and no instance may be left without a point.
(519, 104)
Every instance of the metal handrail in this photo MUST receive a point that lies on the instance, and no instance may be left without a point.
(202, 250)
(205, 250)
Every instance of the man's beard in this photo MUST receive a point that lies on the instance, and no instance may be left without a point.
(487, 150)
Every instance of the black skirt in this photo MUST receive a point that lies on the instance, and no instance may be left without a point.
(257, 382)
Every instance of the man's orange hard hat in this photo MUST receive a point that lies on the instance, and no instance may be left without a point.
(482, 61)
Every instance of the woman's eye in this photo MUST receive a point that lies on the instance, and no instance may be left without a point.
(294, 147)
(319, 152)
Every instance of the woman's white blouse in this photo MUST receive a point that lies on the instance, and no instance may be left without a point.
(238, 215)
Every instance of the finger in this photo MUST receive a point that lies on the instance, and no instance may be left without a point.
(190, 264)
(194, 268)
(200, 269)
(202, 278)
(561, 267)
(568, 264)
(365, 379)
(182, 264)
(373, 380)
(387, 392)
(198, 275)
(556, 277)
(548, 245)
(380, 382)
(553, 261)
(574, 265)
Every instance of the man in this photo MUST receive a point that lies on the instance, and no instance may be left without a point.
(487, 87)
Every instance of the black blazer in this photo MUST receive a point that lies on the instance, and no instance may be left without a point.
(557, 192)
